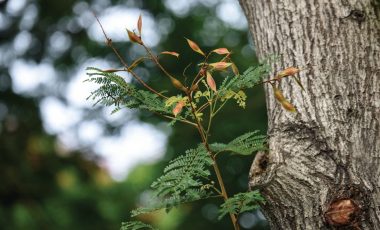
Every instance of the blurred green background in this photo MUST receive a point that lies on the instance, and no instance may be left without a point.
(54, 172)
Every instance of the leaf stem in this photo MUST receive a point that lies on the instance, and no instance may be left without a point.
(201, 72)
(121, 59)
(224, 192)
(181, 120)
(215, 164)
(204, 106)
(212, 107)
(155, 60)
(221, 106)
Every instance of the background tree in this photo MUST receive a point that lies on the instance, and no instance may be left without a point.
(46, 185)
(323, 162)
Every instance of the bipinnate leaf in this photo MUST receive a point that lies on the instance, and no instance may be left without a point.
(114, 90)
(248, 79)
(195, 47)
(245, 144)
(241, 202)
(135, 225)
(182, 182)
(183, 172)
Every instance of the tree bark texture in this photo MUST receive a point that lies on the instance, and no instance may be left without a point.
(322, 170)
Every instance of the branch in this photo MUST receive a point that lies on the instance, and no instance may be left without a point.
(121, 59)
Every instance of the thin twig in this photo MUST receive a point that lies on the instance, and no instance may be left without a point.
(184, 72)
(201, 71)
(121, 59)
(155, 60)
(215, 165)
(181, 120)
(204, 106)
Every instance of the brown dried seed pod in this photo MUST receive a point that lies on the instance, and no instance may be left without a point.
(287, 72)
(178, 84)
(278, 95)
(194, 88)
(288, 106)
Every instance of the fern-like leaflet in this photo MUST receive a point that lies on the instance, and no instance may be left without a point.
(250, 78)
(241, 202)
(182, 181)
(135, 225)
(186, 178)
(114, 90)
(245, 144)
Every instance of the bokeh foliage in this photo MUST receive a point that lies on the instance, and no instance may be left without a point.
(44, 186)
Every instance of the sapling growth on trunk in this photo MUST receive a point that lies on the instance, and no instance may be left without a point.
(194, 175)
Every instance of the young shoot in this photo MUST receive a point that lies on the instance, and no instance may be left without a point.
(195, 174)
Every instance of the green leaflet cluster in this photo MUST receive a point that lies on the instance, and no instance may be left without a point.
(240, 203)
(114, 90)
(233, 87)
(182, 182)
(184, 173)
(186, 178)
(135, 225)
(250, 78)
(245, 144)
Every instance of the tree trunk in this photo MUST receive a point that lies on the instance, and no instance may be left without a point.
(322, 170)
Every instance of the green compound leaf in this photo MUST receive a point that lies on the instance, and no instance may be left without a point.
(182, 182)
(241, 202)
(250, 78)
(245, 144)
(135, 225)
(114, 90)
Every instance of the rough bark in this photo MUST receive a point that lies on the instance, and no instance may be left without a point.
(328, 152)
